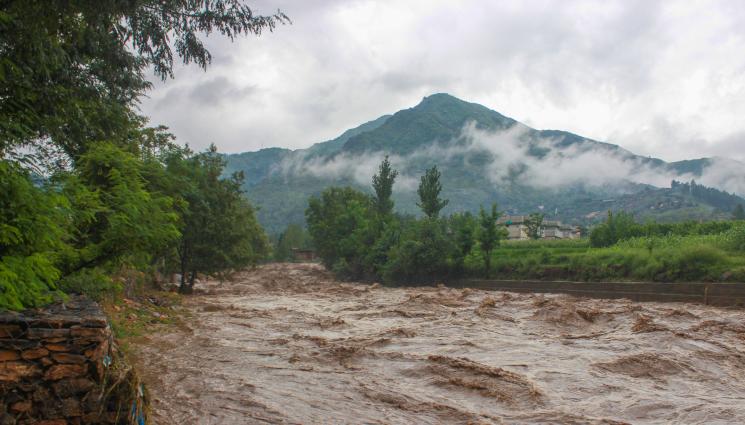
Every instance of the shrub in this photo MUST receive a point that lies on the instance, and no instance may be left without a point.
(91, 282)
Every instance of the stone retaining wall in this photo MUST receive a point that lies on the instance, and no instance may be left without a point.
(53, 365)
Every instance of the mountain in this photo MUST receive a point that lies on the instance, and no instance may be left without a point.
(487, 157)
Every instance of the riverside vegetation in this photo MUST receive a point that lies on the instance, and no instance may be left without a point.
(360, 237)
(89, 190)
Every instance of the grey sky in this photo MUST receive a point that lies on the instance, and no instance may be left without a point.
(665, 79)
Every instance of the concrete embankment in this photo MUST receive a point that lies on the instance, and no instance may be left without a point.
(711, 293)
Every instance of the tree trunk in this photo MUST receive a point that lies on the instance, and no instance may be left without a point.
(192, 277)
(182, 286)
(183, 254)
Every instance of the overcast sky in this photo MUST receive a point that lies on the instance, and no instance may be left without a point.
(664, 79)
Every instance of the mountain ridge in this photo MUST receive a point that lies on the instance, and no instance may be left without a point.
(484, 156)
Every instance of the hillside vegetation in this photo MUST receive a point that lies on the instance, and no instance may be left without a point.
(359, 236)
(485, 157)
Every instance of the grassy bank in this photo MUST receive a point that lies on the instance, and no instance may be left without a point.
(713, 257)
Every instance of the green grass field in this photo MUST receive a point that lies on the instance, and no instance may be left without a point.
(713, 257)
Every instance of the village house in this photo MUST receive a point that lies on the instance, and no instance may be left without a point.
(550, 229)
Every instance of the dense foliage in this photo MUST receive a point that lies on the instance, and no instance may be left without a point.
(358, 236)
(429, 193)
(354, 242)
(107, 192)
(218, 229)
(71, 71)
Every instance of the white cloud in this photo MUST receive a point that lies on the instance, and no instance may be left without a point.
(660, 78)
(514, 150)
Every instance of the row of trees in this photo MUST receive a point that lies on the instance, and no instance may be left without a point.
(359, 236)
(86, 187)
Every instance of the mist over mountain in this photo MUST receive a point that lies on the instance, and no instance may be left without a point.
(487, 157)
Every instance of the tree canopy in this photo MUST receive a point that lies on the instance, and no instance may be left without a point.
(429, 193)
(534, 224)
(108, 192)
(382, 183)
(71, 72)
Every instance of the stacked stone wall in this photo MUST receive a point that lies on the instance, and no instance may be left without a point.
(54, 365)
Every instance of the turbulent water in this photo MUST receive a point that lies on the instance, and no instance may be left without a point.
(288, 344)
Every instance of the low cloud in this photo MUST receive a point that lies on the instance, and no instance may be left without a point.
(518, 155)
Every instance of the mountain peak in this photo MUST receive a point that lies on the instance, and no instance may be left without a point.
(438, 118)
(434, 97)
(443, 100)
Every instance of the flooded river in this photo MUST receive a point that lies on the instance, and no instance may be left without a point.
(288, 344)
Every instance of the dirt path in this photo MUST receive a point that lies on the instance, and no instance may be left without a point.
(288, 344)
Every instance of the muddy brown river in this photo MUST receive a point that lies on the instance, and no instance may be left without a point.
(288, 344)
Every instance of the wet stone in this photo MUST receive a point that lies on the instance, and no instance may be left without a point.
(69, 358)
(21, 406)
(61, 371)
(11, 331)
(73, 386)
(35, 353)
(18, 344)
(44, 333)
(8, 355)
(71, 408)
(78, 331)
(16, 371)
(58, 347)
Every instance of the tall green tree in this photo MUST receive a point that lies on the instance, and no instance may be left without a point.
(429, 193)
(339, 222)
(534, 223)
(421, 254)
(489, 234)
(462, 227)
(219, 230)
(382, 183)
(72, 70)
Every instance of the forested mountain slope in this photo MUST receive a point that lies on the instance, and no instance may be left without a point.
(485, 157)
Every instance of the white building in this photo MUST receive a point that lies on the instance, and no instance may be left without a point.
(550, 229)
